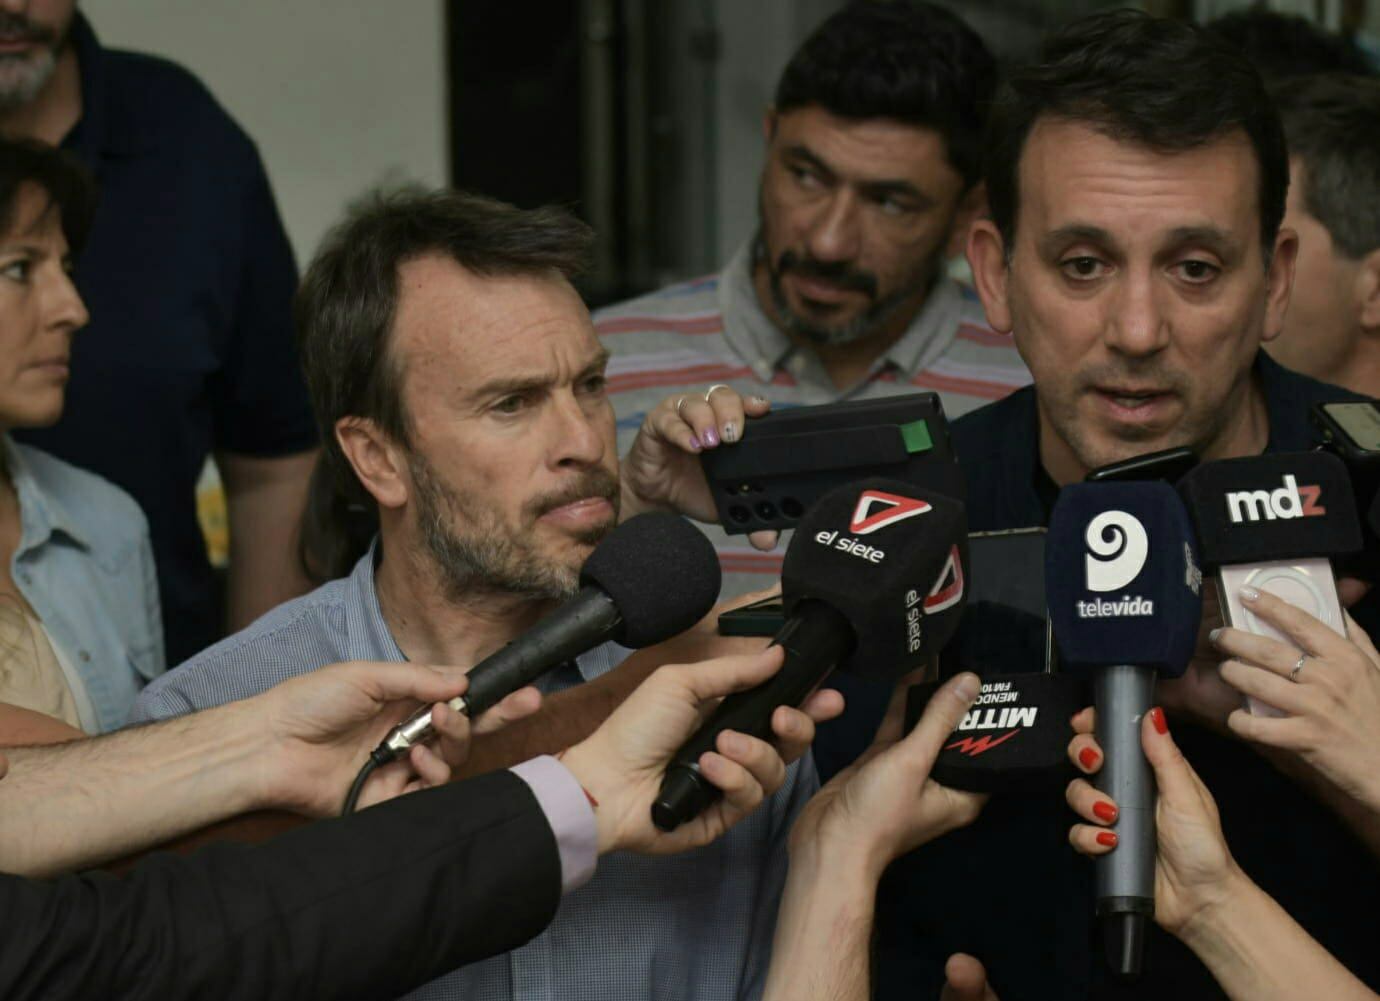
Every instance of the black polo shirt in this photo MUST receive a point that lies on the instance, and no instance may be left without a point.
(1009, 889)
(189, 278)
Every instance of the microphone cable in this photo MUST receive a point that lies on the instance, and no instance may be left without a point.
(371, 765)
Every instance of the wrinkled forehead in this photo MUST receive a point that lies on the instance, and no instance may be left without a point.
(463, 328)
(1071, 174)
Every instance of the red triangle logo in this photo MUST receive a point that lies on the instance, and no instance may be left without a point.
(948, 588)
(877, 509)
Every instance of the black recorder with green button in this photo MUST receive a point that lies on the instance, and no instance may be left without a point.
(790, 458)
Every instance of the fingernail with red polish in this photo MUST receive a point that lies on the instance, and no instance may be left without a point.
(1157, 718)
(1107, 838)
(1104, 810)
(1088, 758)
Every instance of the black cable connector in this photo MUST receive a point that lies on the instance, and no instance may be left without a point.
(375, 760)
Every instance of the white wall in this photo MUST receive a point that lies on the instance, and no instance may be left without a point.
(338, 94)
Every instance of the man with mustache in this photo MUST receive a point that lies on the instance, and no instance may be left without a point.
(189, 277)
(870, 181)
(460, 390)
(1137, 176)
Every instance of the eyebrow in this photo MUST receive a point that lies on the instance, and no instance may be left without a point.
(876, 189)
(507, 386)
(1214, 239)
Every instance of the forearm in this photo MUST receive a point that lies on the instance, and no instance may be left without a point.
(74, 805)
(371, 906)
(823, 933)
(264, 503)
(1256, 952)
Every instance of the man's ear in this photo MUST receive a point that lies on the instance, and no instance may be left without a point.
(376, 458)
(987, 258)
(971, 207)
(1280, 282)
(1368, 292)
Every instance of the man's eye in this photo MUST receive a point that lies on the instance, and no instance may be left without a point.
(1083, 268)
(890, 206)
(805, 177)
(510, 404)
(17, 270)
(1197, 272)
(594, 385)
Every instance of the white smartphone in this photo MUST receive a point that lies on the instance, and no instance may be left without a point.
(1306, 584)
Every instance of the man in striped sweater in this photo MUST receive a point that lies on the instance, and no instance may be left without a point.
(871, 179)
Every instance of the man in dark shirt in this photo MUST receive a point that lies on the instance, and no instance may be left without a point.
(189, 280)
(1137, 181)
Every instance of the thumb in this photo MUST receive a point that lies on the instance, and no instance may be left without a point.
(943, 713)
(1173, 773)
(712, 679)
(393, 681)
(965, 979)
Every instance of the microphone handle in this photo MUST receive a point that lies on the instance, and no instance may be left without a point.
(578, 625)
(815, 637)
(1123, 694)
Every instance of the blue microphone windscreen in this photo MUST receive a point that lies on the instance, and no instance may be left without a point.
(1122, 577)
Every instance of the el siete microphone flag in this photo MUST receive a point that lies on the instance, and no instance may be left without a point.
(1275, 522)
(1125, 599)
(623, 597)
(872, 583)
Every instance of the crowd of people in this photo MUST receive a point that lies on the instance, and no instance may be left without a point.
(1172, 238)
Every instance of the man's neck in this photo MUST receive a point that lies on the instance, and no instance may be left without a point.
(56, 109)
(1247, 432)
(845, 364)
(433, 627)
(1360, 370)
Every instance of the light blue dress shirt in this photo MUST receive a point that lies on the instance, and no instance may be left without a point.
(85, 565)
(690, 927)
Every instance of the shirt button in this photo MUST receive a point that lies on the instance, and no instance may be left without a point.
(85, 656)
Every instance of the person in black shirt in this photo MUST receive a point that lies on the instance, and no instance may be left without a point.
(1137, 176)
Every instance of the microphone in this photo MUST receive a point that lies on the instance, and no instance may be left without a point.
(623, 597)
(1124, 601)
(873, 583)
(1275, 522)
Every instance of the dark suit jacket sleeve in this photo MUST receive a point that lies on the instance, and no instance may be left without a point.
(366, 907)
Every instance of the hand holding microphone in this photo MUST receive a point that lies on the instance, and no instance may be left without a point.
(1329, 694)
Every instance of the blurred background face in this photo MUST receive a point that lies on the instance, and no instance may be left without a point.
(1321, 326)
(1137, 290)
(39, 312)
(31, 35)
(513, 464)
(855, 216)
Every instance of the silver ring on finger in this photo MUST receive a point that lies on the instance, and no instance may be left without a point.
(680, 403)
(1298, 666)
(711, 390)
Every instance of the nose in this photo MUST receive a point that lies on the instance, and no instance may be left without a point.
(65, 309)
(1137, 326)
(835, 234)
(578, 438)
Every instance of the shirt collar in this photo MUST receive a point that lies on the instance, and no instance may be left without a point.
(374, 641)
(766, 348)
(42, 513)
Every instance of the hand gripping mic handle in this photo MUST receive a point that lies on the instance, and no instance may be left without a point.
(1123, 695)
(816, 637)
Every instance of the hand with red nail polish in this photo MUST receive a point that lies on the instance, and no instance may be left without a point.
(1193, 869)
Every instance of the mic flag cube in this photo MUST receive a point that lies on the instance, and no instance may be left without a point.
(1013, 738)
(1283, 506)
(891, 559)
(1122, 578)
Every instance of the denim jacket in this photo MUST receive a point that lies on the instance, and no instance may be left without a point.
(85, 565)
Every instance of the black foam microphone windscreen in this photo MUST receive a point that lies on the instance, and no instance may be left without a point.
(1280, 506)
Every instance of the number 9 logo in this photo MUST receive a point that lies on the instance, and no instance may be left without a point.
(1117, 548)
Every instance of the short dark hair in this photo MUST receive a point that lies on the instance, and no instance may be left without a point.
(1285, 45)
(913, 62)
(1165, 85)
(62, 177)
(348, 298)
(1332, 124)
